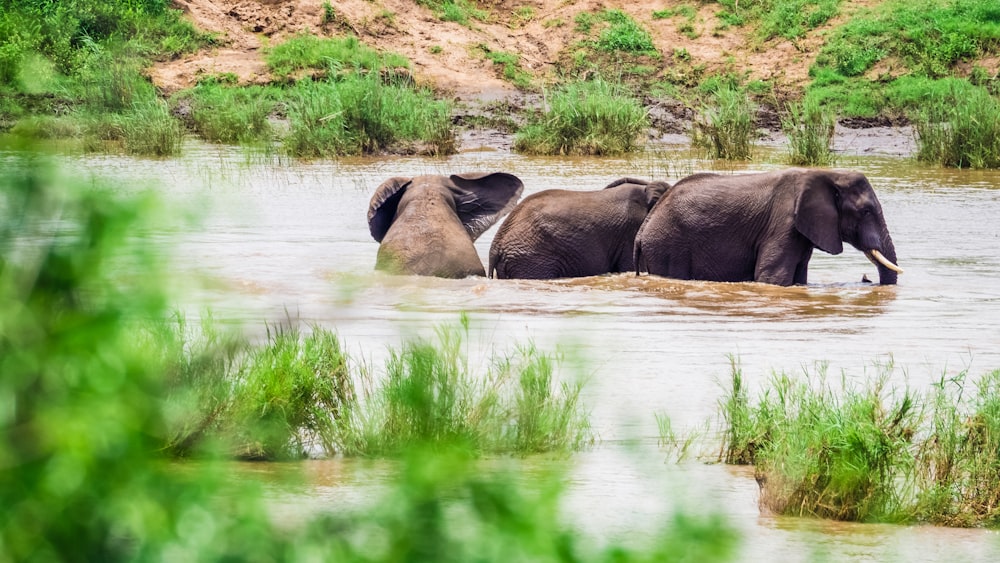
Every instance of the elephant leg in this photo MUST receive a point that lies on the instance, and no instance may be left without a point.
(783, 263)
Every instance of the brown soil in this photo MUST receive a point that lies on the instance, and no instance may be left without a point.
(445, 56)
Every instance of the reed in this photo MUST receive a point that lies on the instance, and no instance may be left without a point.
(361, 114)
(809, 127)
(585, 118)
(150, 130)
(225, 114)
(861, 451)
(958, 462)
(960, 131)
(431, 396)
(726, 129)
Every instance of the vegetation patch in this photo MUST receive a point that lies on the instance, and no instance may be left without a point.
(333, 56)
(809, 127)
(585, 118)
(960, 131)
(362, 114)
(511, 65)
(858, 449)
(459, 11)
(726, 129)
(223, 113)
(789, 19)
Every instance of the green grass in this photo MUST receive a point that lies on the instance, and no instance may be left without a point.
(459, 11)
(294, 394)
(726, 129)
(335, 56)
(789, 19)
(960, 131)
(511, 65)
(624, 34)
(585, 118)
(810, 128)
(150, 130)
(430, 395)
(362, 115)
(227, 114)
(858, 449)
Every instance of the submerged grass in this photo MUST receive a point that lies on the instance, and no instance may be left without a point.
(585, 118)
(864, 452)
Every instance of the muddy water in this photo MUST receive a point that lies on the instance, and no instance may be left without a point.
(279, 239)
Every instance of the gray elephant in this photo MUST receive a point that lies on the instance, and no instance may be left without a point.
(763, 227)
(564, 233)
(427, 224)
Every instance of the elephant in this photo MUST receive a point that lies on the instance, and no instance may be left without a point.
(565, 233)
(763, 226)
(427, 224)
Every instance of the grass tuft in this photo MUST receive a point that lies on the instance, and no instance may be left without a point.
(431, 396)
(585, 118)
(862, 451)
(960, 131)
(726, 130)
(810, 128)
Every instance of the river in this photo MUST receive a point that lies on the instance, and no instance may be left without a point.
(278, 239)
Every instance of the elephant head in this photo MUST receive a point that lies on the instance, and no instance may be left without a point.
(763, 227)
(836, 207)
(427, 224)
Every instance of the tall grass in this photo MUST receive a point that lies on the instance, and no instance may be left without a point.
(431, 395)
(150, 130)
(860, 450)
(726, 129)
(960, 131)
(585, 118)
(361, 114)
(958, 464)
(810, 128)
(227, 114)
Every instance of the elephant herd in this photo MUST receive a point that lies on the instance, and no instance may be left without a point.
(759, 227)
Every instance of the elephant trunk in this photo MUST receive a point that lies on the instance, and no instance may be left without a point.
(884, 259)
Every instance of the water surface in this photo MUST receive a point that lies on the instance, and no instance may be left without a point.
(288, 239)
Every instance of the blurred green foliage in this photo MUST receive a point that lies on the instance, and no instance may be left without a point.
(85, 408)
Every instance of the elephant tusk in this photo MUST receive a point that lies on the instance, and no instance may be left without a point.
(876, 256)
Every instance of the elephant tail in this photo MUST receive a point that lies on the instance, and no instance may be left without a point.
(637, 255)
(494, 257)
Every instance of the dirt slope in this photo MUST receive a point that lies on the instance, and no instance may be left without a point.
(444, 54)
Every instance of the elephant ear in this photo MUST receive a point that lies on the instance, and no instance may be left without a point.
(817, 216)
(654, 191)
(482, 199)
(382, 209)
